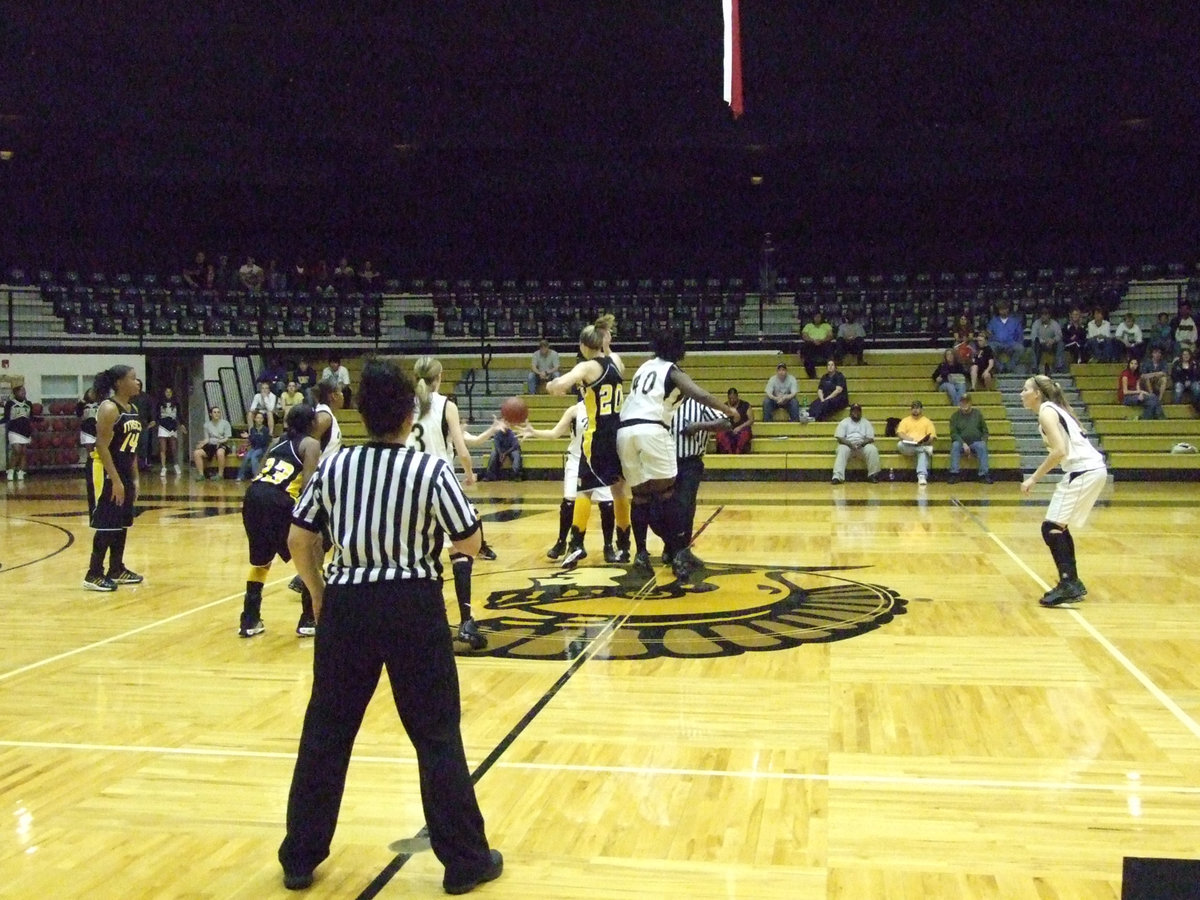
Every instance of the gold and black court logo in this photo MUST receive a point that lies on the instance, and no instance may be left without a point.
(721, 610)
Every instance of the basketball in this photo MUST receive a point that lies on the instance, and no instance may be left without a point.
(514, 411)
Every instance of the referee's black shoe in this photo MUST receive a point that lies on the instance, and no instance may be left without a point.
(491, 873)
(486, 551)
(684, 562)
(556, 552)
(468, 633)
(1069, 590)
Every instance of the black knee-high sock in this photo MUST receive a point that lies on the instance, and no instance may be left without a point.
(101, 542)
(306, 606)
(640, 514)
(566, 512)
(252, 601)
(674, 523)
(607, 520)
(116, 556)
(462, 585)
(1062, 548)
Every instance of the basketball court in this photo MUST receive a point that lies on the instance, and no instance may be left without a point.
(859, 696)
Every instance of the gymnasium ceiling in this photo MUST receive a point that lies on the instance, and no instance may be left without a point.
(577, 134)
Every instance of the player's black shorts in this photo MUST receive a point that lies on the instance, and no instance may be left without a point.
(601, 467)
(267, 517)
(105, 514)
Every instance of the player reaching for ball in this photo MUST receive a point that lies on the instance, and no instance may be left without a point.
(573, 422)
(599, 378)
(436, 429)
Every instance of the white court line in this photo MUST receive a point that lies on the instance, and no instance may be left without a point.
(1155, 691)
(118, 637)
(1140, 786)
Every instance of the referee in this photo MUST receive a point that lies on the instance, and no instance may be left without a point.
(389, 510)
(691, 424)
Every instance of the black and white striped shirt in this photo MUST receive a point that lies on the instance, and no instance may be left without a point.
(389, 509)
(689, 411)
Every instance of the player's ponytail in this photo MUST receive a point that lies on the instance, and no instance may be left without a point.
(1051, 390)
(106, 381)
(426, 370)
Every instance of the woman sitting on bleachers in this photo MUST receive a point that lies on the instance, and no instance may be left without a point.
(950, 377)
(964, 335)
(1130, 393)
(1185, 376)
(737, 439)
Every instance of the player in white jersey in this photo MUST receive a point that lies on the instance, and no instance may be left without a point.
(574, 423)
(647, 449)
(437, 430)
(1084, 477)
(329, 403)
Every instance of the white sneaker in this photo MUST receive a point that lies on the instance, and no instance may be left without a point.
(922, 481)
(177, 472)
(20, 474)
(11, 473)
(162, 473)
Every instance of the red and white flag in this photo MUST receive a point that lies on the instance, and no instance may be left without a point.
(733, 57)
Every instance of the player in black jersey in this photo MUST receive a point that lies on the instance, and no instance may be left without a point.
(267, 515)
(113, 478)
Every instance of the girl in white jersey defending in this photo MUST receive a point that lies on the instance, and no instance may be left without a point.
(437, 430)
(647, 449)
(328, 433)
(1084, 477)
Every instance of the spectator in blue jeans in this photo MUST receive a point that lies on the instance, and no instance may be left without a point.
(781, 394)
(505, 445)
(950, 377)
(1007, 335)
(258, 438)
(969, 435)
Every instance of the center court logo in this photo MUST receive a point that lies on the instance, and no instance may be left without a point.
(721, 610)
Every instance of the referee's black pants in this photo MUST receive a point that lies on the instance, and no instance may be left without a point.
(687, 486)
(401, 625)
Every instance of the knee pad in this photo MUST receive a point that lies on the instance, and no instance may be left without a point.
(1052, 530)
(462, 561)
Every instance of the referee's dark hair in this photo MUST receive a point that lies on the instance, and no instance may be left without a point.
(300, 420)
(385, 397)
(667, 343)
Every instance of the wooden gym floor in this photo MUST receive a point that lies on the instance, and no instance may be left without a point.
(861, 698)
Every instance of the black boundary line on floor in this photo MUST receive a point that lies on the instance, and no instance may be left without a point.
(699, 531)
(70, 540)
(391, 869)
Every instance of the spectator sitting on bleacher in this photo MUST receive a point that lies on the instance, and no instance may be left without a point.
(963, 336)
(265, 402)
(1007, 334)
(737, 439)
(505, 445)
(258, 439)
(251, 276)
(832, 393)
(193, 275)
(343, 276)
(1161, 335)
(1131, 393)
(305, 378)
(217, 434)
(851, 338)
(983, 366)
(950, 377)
(1156, 374)
(1101, 346)
(855, 435)
(544, 367)
(337, 371)
(1183, 327)
(916, 435)
(274, 374)
(781, 394)
(1046, 335)
(816, 343)
(1129, 336)
(293, 396)
(367, 277)
(1185, 376)
(1075, 337)
(969, 435)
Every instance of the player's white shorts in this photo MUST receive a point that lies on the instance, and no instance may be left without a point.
(164, 433)
(17, 440)
(86, 440)
(647, 453)
(571, 482)
(1075, 496)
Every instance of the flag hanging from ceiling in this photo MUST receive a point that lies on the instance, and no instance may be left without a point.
(733, 57)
